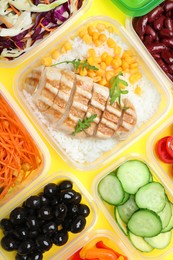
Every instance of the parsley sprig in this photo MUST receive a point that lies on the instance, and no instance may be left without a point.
(82, 125)
(115, 90)
(78, 63)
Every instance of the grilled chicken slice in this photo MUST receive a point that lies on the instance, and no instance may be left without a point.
(97, 106)
(33, 79)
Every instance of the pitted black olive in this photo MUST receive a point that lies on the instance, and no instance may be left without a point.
(26, 247)
(50, 190)
(67, 196)
(77, 198)
(33, 202)
(78, 224)
(21, 232)
(72, 210)
(33, 233)
(18, 216)
(54, 201)
(45, 213)
(83, 210)
(9, 242)
(66, 224)
(43, 243)
(6, 226)
(60, 237)
(49, 228)
(33, 223)
(21, 257)
(60, 211)
(35, 256)
(44, 200)
(66, 184)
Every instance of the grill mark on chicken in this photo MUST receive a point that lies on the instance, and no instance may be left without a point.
(33, 79)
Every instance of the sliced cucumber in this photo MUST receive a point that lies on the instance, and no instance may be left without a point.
(126, 197)
(151, 196)
(170, 224)
(119, 221)
(145, 223)
(127, 209)
(140, 243)
(133, 174)
(165, 214)
(160, 241)
(110, 190)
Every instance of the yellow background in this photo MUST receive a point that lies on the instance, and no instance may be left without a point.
(98, 7)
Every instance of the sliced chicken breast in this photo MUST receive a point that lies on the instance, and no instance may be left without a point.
(33, 78)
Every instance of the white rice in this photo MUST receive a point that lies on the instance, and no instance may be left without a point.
(89, 149)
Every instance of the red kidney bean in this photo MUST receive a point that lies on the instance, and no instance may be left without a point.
(168, 6)
(168, 58)
(170, 68)
(158, 23)
(141, 25)
(162, 65)
(149, 30)
(148, 39)
(155, 13)
(168, 42)
(156, 55)
(169, 23)
(156, 47)
(169, 75)
(166, 33)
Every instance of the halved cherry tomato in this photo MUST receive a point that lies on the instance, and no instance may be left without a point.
(169, 145)
(161, 150)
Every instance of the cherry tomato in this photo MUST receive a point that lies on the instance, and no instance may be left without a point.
(169, 145)
(161, 150)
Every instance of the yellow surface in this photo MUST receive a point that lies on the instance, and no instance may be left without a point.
(99, 7)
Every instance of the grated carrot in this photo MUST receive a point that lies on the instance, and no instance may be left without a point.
(15, 10)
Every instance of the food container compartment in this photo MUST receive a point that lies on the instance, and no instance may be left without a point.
(92, 153)
(20, 187)
(73, 238)
(157, 50)
(108, 209)
(48, 34)
(165, 129)
(136, 8)
(109, 238)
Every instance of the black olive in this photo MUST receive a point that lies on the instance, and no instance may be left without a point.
(18, 216)
(33, 202)
(45, 213)
(21, 257)
(54, 201)
(60, 237)
(67, 196)
(9, 242)
(35, 256)
(78, 224)
(44, 201)
(83, 210)
(66, 184)
(21, 232)
(50, 190)
(77, 198)
(66, 224)
(43, 243)
(6, 226)
(72, 210)
(33, 233)
(26, 247)
(49, 228)
(33, 223)
(60, 211)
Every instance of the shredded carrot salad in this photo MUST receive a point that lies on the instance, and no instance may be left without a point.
(19, 155)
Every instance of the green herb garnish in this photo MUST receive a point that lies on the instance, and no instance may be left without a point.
(76, 63)
(81, 125)
(115, 90)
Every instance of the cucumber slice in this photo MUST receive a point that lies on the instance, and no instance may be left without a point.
(119, 221)
(140, 243)
(145, 223)
(126, 197)
(165, 214)
(151, 196)
(127, 209)
(160, 241)
(133, 174)
(170, 224)
(110, 190)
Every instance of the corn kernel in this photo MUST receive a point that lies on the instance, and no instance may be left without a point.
(102, 37)
(91, 60)
(104, 55)
(122, 86)
(63, 50)
(83, 72)
(82, 32)
(26, 167)
(133, 65)
(47, 61)
(100, 72)
(138, 90)
(91, 30)
(109, 74)
(98, 59)
(91, 73)
(100, 27)
(133, 71)
(96, 78)
(117, 62)
(135, 77)
(118, 70)
(103, 65)
(68, 46)
(110, 29)
(103, 82)
(125, 65)
(55, 55)
(97, 43)
(111, 43)
(87, 39)
(108, 60)
(91, 52)
(127, 53)
(95, 36)
(130, 59)
(117, 50)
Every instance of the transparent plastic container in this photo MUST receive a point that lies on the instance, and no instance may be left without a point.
(148, 56)
(108, 210)
(41, 44)
(136, 7)
(111, 238)
(36, 175)
(148, 70)
(165, 129)
(57, 252)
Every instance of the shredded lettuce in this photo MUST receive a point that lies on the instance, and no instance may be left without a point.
(27, 5)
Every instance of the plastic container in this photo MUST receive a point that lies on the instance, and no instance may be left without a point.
(136, 7)
(104, 156)
(19, 190)
(33, 50)
(113, 241)
(108, 210)
(148, 56)
(165, 129)
(57, 177)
